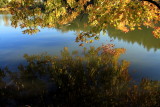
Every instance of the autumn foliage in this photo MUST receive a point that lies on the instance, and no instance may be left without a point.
(125, 15)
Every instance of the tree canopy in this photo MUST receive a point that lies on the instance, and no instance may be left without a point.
(125, 15)
(3, 3)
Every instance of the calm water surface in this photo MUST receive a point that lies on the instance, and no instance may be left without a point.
(143, 50)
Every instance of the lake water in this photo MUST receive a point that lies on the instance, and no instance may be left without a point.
(143, 50)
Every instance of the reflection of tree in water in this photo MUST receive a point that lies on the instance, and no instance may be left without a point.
(94, 79)
(80, 25)
(6, 19)
(141, 37)
(89, 22)
(77, 25)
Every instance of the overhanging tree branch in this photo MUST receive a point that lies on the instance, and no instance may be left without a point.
(153, 2)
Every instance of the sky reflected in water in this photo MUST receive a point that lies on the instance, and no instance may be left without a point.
(14, 44)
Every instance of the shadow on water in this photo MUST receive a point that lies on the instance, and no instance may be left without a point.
(95, 78)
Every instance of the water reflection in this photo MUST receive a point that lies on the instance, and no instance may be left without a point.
(93, 77)
(88, 23)
(143, 38)
(5, 20)
(13, 45)
(96, 78)
(79, 24)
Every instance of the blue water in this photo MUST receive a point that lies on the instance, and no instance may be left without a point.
(14, 44)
